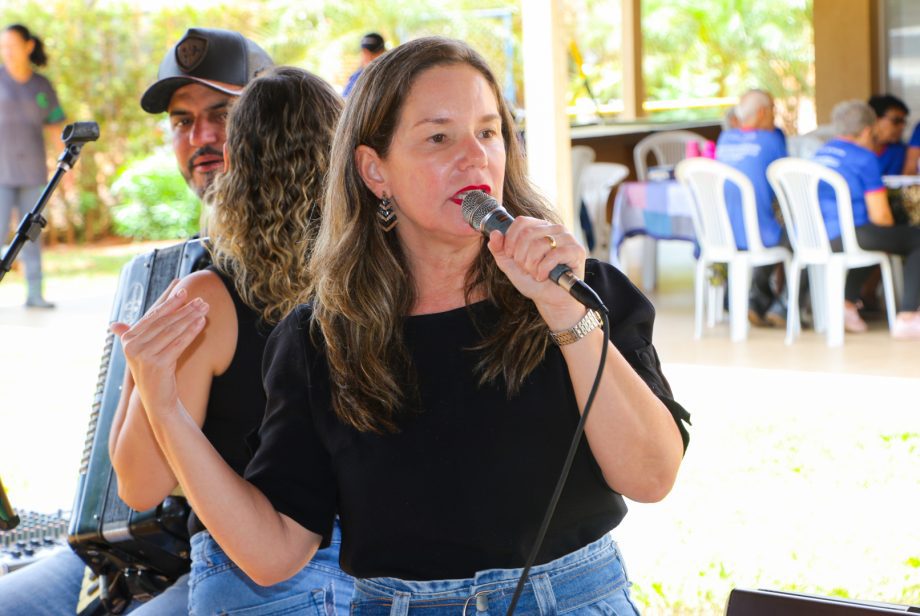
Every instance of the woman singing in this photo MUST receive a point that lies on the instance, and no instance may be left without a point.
(428, 393)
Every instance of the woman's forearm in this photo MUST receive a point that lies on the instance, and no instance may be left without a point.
(631, 433)
(268, 546)
(144, 476)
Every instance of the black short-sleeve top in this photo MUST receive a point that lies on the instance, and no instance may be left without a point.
(462, 487)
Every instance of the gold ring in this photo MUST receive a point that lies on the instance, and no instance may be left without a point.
(551, 240)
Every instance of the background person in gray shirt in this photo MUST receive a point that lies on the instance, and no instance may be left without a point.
(28, 104)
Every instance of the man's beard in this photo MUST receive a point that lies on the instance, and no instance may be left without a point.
(209, 176)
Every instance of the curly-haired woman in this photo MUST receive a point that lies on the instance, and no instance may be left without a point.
(265, 210)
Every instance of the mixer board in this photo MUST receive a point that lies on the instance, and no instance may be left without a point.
(37, 535)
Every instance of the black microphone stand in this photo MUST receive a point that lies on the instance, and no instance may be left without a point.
(74, 136)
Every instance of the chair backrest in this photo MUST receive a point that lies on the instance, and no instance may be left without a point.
(668, 147)
(594, 188)
(803, 146)
(706, 178)
(582, 156)
(598, 178)
(795, 182)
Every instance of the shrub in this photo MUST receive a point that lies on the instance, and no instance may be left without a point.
(154, 202)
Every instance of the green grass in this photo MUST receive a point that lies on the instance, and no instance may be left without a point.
(97, 260)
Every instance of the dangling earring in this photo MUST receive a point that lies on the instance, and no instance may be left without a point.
(386, 217)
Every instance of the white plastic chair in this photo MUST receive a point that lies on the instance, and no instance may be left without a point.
(582, 156)
(795, 182)
(706, 180)
(667, 148)
(595, 184)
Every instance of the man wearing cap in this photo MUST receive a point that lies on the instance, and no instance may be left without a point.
(372, 46)
(197, 83)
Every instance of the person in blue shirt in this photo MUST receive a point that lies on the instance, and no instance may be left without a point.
(912, 158)
(750, 148)
(372, 46)
(851, 155)
(891, 118)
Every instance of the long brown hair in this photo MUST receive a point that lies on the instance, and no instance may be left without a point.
(363, 288)
(266, 207)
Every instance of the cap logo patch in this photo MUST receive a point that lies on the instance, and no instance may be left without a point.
(190, 52)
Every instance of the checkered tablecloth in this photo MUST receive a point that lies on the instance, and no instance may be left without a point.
(658, 209)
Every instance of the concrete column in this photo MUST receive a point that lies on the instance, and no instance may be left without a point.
(549, 148)
(633, 82)
(846, 53)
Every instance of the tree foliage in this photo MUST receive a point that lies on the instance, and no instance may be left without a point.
(104, 53)
(702, 48)
(699, 49)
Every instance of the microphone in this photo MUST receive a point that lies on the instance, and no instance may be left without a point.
(485, 214)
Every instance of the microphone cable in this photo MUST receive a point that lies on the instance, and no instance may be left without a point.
(566, 467)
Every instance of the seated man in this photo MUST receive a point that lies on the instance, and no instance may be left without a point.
(851, 154)
(891, 117)
(750, 148)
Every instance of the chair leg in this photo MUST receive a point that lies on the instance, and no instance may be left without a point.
(816, 276)
(699, 288)
(712, 298)
(739, 284)
(720, 303)
(793, 322)
(833, 297)
(897, 275)
(888, 285)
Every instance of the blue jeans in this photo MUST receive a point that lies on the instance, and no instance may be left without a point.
(22, 200)
(591, 580)
(218, 586)
(51, 586)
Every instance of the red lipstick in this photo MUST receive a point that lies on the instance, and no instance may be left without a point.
(458, 196)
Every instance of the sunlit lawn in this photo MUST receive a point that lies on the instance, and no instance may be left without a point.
(62, 261)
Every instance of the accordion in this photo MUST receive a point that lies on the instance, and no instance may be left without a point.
(134, 553)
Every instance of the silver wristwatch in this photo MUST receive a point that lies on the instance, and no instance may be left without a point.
(587, 324)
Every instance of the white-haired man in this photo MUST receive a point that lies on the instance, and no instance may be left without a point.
(750, 148)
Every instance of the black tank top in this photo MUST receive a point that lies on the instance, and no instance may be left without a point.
(236, 402)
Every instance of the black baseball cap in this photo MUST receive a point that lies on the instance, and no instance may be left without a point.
(372, 42)
(220, 59)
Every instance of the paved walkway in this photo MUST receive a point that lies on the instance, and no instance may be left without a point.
(49, 364)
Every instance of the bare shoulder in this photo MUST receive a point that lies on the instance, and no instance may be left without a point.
(217, 342)
(209, 287)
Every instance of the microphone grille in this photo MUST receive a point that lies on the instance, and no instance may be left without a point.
(476, 205)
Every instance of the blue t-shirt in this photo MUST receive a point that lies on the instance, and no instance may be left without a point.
(860, 168)
(351, 83)
(891, 158)
(915, 137)
(750, 152)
